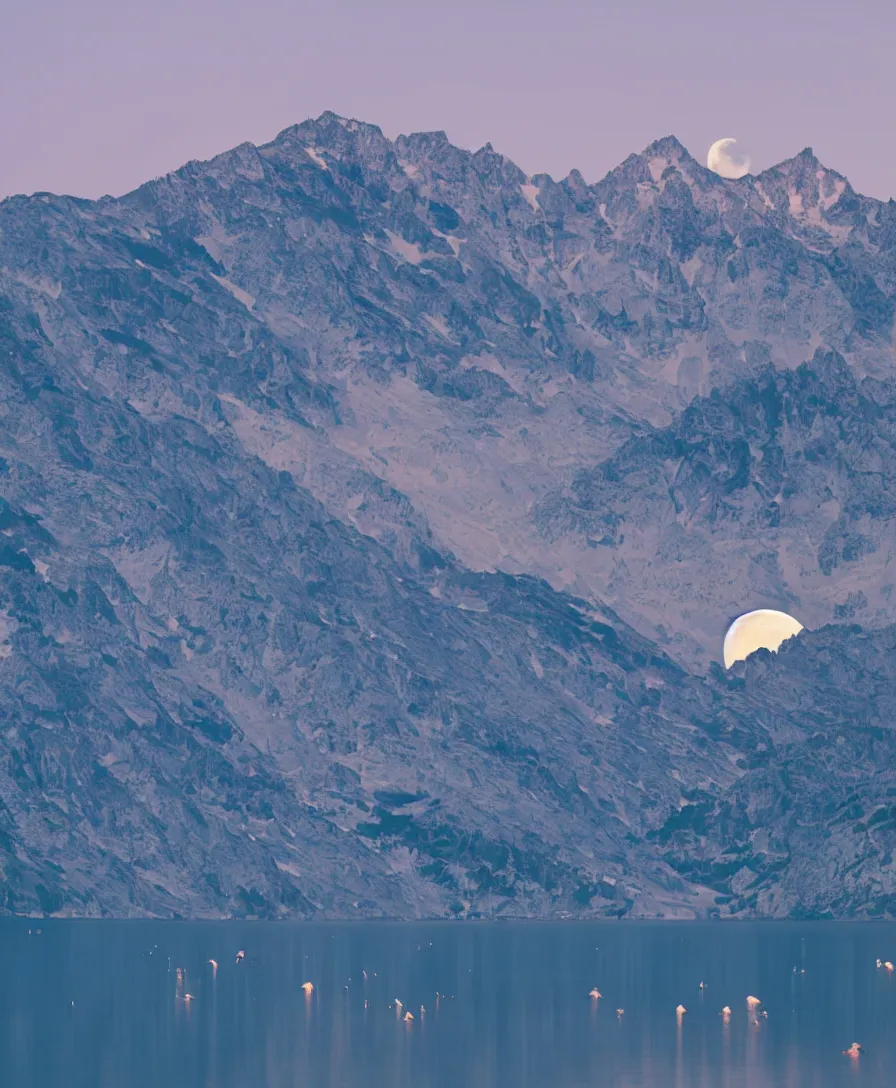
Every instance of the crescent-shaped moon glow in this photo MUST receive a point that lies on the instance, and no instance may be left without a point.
(726, 160)
(754, 630)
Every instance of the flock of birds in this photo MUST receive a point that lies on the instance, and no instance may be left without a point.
(754, 1012)
(753, 1009)
(306, 987)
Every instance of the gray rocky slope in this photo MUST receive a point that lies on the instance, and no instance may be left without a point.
(372, 514)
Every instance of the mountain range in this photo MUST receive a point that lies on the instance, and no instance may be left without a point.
(373, 514)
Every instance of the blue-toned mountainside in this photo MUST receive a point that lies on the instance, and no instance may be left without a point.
(372, 514)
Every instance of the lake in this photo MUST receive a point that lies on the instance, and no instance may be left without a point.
(95, 1004)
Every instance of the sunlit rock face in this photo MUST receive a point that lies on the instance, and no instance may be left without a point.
(765, 628)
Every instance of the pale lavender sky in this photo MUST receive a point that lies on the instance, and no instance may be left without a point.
(100, 95)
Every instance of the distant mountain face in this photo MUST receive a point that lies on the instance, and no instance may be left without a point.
(372, 514)
(778, 489)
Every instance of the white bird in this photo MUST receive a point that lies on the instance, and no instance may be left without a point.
(240, 956)
(408, 1017)
(595, 994)
(702, 985)
(308, 987)
(680, 1011)
(619, 1013)
(399, 1004)
(854, 1050)
(214, 964)
(888, 965)
(753, 1002)
(726, 1013)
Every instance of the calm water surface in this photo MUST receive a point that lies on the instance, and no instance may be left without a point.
(96, 1004)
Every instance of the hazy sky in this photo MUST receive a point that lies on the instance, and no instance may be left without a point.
(100, 95)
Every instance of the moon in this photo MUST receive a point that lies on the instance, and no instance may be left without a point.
(726, 160)
(763, 628)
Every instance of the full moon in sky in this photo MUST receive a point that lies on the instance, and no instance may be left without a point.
(754, 630)
(726, 160)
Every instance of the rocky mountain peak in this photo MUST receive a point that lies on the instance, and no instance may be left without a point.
(809, 192)
(669, 149)
(332, 139)
(372, 516)
(643, 168)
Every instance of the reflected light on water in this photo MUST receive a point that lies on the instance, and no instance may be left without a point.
(100, 1005)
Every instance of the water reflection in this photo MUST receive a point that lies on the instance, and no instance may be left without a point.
(129, 1005)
